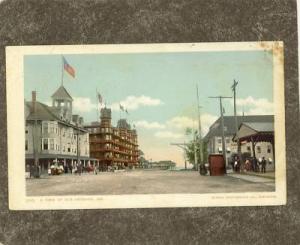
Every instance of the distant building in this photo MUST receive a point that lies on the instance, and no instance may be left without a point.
(113, 146)
(53, 134)
(162, 165)
(213, 138)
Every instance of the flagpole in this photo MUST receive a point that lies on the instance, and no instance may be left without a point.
(97, 100)
(62, 71)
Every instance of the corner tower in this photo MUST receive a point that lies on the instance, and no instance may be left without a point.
(105, 118)
(62, 102)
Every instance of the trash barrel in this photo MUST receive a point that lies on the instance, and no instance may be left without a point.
(216, 164)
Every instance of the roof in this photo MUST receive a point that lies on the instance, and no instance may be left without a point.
(42, 112)
(256, 131)
(229, 124)
(45, 113)
(61, 93)
(122, 123)
(261, 126)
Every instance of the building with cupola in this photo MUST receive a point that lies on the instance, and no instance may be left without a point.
(53, 134)
(113, 146)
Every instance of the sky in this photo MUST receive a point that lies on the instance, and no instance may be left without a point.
(157, 89)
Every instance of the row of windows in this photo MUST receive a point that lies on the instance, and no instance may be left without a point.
(62, 103)
(228, 140)
(259, 150)
(52, 127)
(50, 144)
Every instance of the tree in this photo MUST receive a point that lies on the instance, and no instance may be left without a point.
(190, 148)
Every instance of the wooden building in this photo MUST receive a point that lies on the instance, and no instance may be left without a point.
(53, 134)
(113, 146)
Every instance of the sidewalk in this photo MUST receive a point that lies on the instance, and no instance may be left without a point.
(253, 177)
(269, 175)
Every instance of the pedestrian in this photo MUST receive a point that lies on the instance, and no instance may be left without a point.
(254, 164)
(236, 164)
(263, 165)
(95, 170)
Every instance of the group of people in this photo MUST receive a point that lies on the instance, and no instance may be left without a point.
(77, 169)
(250, 164)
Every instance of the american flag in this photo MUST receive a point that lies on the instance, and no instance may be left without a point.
(68, 68)
(99, 98)
(121, 107)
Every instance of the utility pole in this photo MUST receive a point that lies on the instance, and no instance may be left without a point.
(199, 129)
(222, 125)
(195, 151)
(233, 87)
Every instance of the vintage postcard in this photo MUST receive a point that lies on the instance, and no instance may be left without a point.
(146, 125)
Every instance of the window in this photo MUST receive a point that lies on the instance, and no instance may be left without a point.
(269, 149)
(64, 149)
(26, 131)
(51, 127)
(220, 141)
(45, 144)
(258, 148)
(26, 145)
(69, 148)
(45, 127)
(227, 140)
(51, 144)
(248, 148)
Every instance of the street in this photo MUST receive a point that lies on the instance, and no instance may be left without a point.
(145, 182)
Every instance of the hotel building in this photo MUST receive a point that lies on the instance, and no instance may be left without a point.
(113, 146)
(54, 134)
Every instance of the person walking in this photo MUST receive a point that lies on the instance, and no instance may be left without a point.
(263, 165)
(254, 165)
(237, 164)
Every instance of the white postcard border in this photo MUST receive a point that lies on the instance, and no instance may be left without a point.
(16, 134)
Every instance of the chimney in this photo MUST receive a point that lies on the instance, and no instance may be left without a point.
(33, 101)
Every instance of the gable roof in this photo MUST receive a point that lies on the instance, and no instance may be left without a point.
(229, 124)
(42, 112)
(46, 113)
(261, 126)
(61, 93)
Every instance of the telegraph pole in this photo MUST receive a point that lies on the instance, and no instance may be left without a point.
(195, 151)
(233, 87)
(199, 129)
(222, 125)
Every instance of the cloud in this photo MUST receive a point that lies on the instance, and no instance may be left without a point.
(168, 134)
(181, 122)
(133, 102)
(83, 104)
(184, 122)
(259, 106)
(149, 125)
(206, 121)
